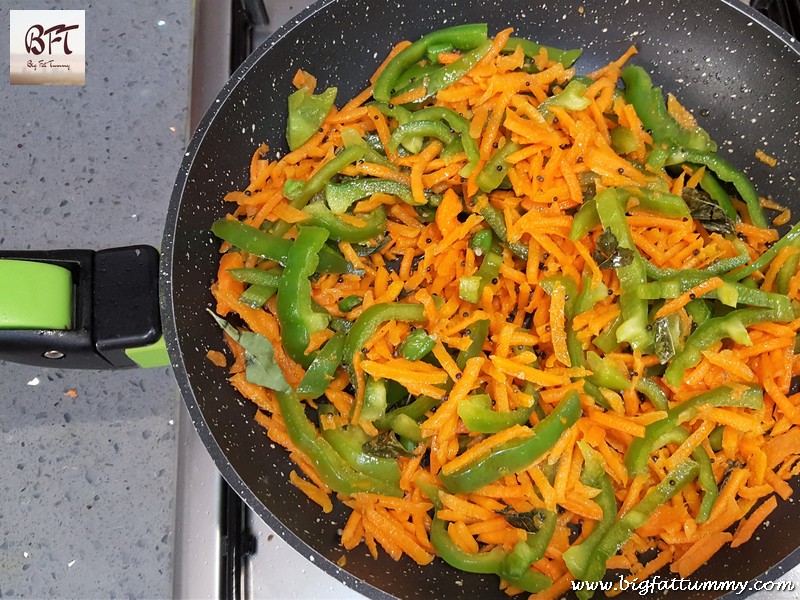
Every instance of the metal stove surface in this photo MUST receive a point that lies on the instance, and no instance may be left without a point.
(270, 568)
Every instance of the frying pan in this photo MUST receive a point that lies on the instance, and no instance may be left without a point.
(738, 72)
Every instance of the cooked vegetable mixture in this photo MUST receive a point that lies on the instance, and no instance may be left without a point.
(520, 319)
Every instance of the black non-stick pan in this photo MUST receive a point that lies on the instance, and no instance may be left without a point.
(738, 73)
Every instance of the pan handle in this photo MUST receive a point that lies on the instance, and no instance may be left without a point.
(81, 309)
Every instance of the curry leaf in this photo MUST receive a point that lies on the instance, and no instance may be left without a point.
(259, 357)
(608, 254)
(385, 445)
(707, 212)
(530, 521)
(663, 340)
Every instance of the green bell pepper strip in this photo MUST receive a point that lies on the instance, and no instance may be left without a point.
(458, 124)
(374, 405)
(417, 345)
(762, 262)
(713, 188)
(434, 50)
(271, 246)
(321, 216)
(479, 332)
(295, 311)
(495, 219)
(445, 76)
(733, 325)
(592, 390)
(413, 77)
(348, 443)
(715, 438)
(263, 285)
(730, 294)
(496, 561)
(349, 303)
(515, 455)
(589, 296)
(572, 97)
(605, 374)
(490, 267)
(668, 430)
(496, 168)
(481, 242)
(351, 137)
(662, 203)
(593, 475)
(461, 37)
(719, 267)
(322, 369)
(368, 322)
(675, 155)
(698, 311)
(470, 288)
(623, 140)
(334, 471)
(300, 192)
(415, 411)
(270, 278)
(651, 109)
(407, 428)
(707, 483)
(786, 272)
(340, 196)
(420, 129)
(584, 220)
(531, 50)
(653, 392)
(307, 112)
(477, 413)
(607, 340)
(255, 296)
(632, 329)
(621, 531)
(533, 548)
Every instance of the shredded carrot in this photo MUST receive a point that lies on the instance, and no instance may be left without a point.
(700, 552)
(557, 324)
(217, 358)
(312, 491)
(766, 158)
(749, 526)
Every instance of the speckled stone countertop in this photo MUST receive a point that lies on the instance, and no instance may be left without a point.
(87, 487)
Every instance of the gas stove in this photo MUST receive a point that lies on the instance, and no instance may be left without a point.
(222, 549)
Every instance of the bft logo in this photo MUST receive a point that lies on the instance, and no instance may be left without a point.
(35, 41)
(48, 47)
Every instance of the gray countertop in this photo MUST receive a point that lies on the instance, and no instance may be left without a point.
(87, 487)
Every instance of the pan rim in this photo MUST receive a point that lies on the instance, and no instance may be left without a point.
(170, 329)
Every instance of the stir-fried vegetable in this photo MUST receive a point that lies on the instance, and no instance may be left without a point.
(520, 319)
